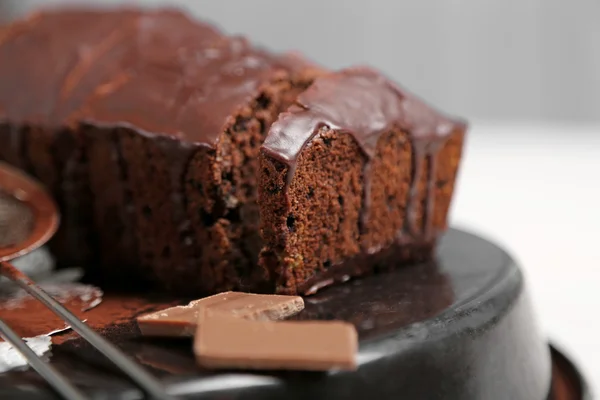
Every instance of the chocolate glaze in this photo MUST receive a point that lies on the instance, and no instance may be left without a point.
(76, 50)
(364, 104)
(143, 38)
(43, 71)
(157, 71)
(186, 92)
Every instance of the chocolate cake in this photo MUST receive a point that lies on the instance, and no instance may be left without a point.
(146, 126)
(181, 165)
(357, 167)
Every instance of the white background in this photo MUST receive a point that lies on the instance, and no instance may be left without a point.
(535, 190)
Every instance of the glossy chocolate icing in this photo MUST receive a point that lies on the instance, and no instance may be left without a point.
(156, 71)
(189, 98)
(358, 101)
(39, 52)
(363, 103)
(64, 56)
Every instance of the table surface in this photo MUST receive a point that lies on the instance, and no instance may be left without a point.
(535, 190)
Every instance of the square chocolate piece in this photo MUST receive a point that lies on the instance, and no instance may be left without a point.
(226, 342)
(182, 320)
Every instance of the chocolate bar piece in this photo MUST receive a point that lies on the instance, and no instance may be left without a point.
(226, 342)
(182, 320)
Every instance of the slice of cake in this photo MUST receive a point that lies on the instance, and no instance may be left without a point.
(357, 171)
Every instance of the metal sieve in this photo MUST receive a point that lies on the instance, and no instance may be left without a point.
(28, 215)
(28, 219)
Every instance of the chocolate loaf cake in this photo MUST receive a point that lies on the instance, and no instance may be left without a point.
(185, 178)
(356, 170)
(146, 126)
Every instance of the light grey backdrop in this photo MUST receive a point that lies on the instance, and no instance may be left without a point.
(484, 59)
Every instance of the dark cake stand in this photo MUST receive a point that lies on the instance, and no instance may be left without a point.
(459, 328)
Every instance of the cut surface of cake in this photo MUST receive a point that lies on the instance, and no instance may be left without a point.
(357, 172)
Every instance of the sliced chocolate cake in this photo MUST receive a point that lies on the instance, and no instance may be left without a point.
(146, 126)
(184, 135)
(357, 169)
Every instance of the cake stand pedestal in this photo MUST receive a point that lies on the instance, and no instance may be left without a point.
(461, 327)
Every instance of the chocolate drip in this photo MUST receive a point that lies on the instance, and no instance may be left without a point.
(363, 218)
(129, 240)
(410, 224)
(178, 155)
(430, 206)
(424, 152)
(364, 104)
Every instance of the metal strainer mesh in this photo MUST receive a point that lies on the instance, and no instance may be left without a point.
(16, 220)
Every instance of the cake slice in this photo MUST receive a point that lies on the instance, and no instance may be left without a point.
(358, 171)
